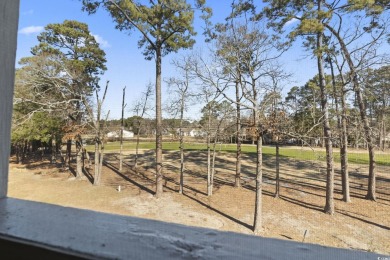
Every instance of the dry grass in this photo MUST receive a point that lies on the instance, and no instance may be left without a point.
(361, 224)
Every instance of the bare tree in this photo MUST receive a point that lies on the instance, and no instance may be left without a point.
(339, 95)
(180, 89)
(165, 26)
(99, 126)
(224, 113)
(140, 109)
(228, 47)
(209, 95)
(275, 116)
(258, 51)
(358, 58)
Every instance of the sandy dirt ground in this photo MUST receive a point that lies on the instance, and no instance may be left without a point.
(361, 224)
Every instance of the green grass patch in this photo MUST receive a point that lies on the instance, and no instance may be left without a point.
(295, 153)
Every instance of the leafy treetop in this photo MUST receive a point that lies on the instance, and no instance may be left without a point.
(165, 25)
(73, 41)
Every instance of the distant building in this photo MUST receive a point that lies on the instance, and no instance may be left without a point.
(192, 132)
(128, 134)
(117, 134)
(112, 134)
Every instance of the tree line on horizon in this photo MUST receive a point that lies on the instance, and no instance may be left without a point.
(239, 83)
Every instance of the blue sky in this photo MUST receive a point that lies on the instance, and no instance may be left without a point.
(126, 65)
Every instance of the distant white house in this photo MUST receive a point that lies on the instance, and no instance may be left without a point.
(116, 134)
(193, 132)
(112, 134)
(128, 134)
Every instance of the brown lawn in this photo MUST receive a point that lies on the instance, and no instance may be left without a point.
(361, 224)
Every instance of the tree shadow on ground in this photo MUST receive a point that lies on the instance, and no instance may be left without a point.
(217, 180)
(88, 175)
(73, 171)
(140, 186)
(307, 180)
(219, 212)
(145, 159)
(363, 220)
(34, 163)
(301, 203)
(185, 183)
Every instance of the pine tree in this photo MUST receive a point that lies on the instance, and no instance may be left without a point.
(165, 26)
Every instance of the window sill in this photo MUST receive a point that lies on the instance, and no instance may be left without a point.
(89, 234)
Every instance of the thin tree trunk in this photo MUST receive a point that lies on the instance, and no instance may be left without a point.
(209, 189)
(277, 162)
(139, 123)
(121, 137)
(371, 194)
(181, 146)
(343, 138)
(159, 174)
(382, 134)
(257, 223)
(344, 146)
(68, 152)
(96, 163)
(237, 182)
(213, 165)
(329, 206)
(79, 157)
(101, 156)
(136, 149)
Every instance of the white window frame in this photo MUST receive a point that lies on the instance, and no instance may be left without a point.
(97, 235)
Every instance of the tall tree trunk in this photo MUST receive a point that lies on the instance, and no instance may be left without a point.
(344, 153)
(277, 162)
(96, 178)
(371, 194)
(257, 223)
(237, 182)
(159, 174)
(122, 126)
(382, 135)
(213, 165)
(181, 146)
(101, 156)
(209, 188)
(96, 163)
(343, 134)
(329, 206)
(344, 148)
(136, 148)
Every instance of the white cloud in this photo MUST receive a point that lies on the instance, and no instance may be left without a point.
(292, 21)
(31, 30)
(103, 43)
